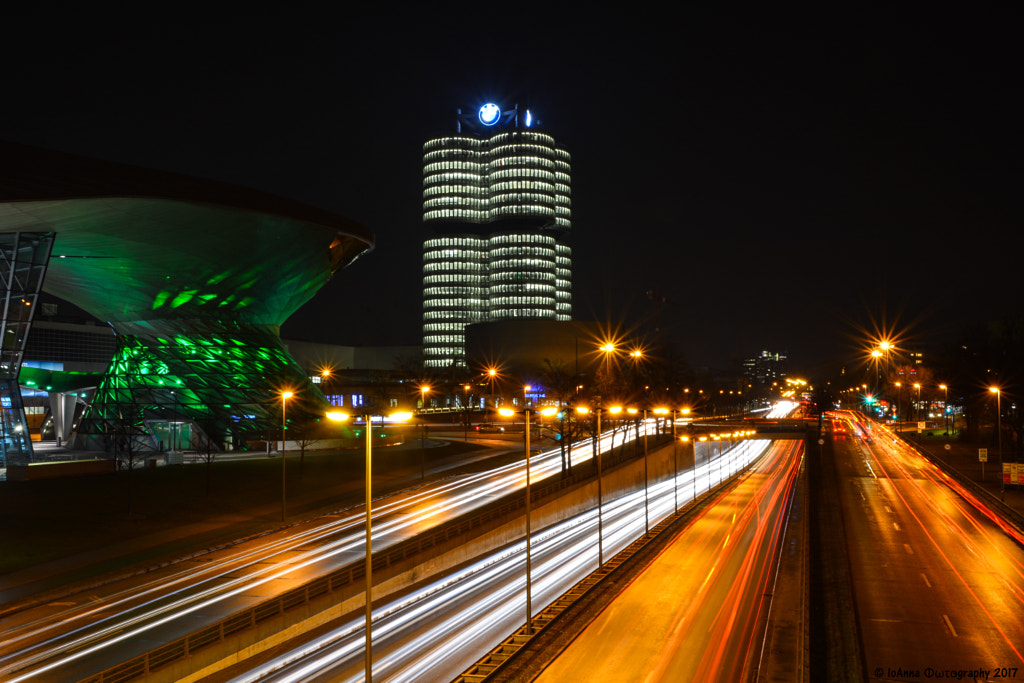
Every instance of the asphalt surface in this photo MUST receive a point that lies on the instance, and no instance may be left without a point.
(938, 583)
(695, 612)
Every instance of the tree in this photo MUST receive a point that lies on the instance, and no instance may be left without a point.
(306, 431)
(560, 384)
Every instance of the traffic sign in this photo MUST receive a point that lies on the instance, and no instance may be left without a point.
(982, 455)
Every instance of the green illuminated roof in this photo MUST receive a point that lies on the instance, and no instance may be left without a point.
(134, 244)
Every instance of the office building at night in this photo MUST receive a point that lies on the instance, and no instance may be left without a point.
(496, 198)
(765, 368)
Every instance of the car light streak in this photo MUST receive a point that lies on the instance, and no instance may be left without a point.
(416, 633)
(913, 470)
(79, 631)
(700, 602)
(40, 646)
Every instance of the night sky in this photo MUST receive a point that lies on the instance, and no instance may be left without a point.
(779, 182)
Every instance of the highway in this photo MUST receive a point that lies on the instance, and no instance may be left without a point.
(938, 577)
(440, 629)
(695, 614)
(79, 634)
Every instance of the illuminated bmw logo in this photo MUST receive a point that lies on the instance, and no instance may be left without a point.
(489, 114)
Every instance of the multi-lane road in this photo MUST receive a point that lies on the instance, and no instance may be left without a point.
(437, 631)
(81, 633)
(937, 577)
(697, 612)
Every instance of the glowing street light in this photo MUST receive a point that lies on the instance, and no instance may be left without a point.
(285, 395)
(899, 403)
(424, 390)
(945, 410)
(338, 416)
(507, 412)
(999, 429)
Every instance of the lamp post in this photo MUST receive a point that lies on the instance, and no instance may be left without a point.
(491, 374)
(876, 354)
(506, 412)
(899, 406)
(285, 395)
(465, 393)
(424, 390)
(647, 518)
(917, 408)
(707, 460)
(583, 410)
(398, 417)
(945, 408)
(675, 456)
(174, 424)
(608, 349)
(999, 430)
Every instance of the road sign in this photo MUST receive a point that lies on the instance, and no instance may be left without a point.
(982, 455)
(947, 446)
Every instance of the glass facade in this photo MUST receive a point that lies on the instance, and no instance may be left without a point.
(475, 180)
(512, 177)
(188, 385)
(23, 260)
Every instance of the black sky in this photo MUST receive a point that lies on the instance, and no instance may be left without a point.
(780, 182)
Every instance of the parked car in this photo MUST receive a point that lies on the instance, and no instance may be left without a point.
(488, 428)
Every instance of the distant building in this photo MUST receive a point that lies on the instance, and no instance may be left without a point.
(496, 195)
(765, 368)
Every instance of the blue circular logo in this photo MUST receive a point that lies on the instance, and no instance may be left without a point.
(489, 114)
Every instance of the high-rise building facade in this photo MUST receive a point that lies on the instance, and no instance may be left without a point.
(765, 368)
(496, 197)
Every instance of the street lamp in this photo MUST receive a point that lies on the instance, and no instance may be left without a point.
(465, 393)
(424, 390)
(675, 455)
(899, 402)
(394, 417)
(647, 522)
(876, 354)
(507, 412)
(608, 349)
(491, 374)
(615, 410)
(285, 395)
(999, 429)
(945, 408)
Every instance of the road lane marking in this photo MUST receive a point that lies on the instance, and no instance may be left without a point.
(950, 625)
(910, 551)
(926, 580)
(888, 509)
(896, 526)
